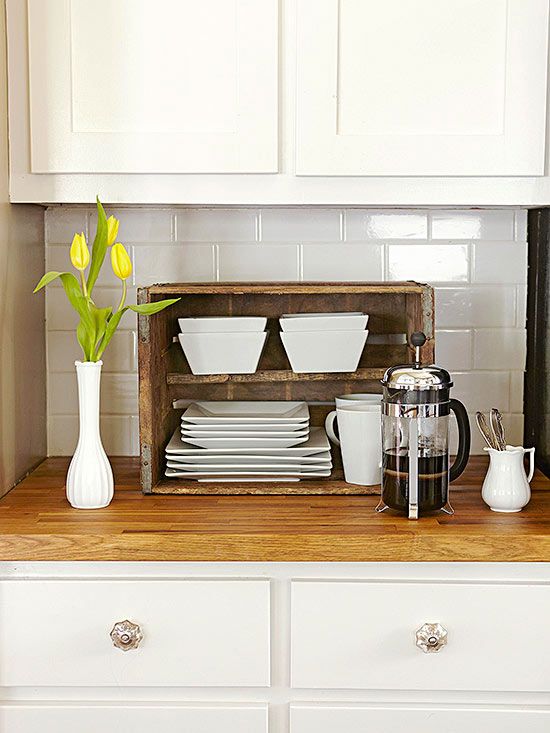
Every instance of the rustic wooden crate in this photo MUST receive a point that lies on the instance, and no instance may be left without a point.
(164, 375)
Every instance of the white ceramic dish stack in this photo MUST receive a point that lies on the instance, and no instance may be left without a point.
(248, 441)
(324, 342)
(224, 345)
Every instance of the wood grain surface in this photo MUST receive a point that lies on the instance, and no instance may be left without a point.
(37, 523)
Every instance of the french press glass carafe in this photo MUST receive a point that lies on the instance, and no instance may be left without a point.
(415, 437)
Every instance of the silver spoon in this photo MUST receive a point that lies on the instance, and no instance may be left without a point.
(498, 428)
(485, 431)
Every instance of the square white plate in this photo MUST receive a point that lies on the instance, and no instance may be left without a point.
(282, 427)
(316, 443)
(245, 443)
(207, 459)
(234, 475)
(243, 434)
(246, 412)
(218, 469)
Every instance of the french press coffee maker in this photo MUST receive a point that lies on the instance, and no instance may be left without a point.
(415, 437)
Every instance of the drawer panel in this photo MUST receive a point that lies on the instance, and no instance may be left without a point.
(195, 632)
(355, 719)
(362, 635)
(133, 719)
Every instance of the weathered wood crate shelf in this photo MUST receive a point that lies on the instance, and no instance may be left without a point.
(395, 309)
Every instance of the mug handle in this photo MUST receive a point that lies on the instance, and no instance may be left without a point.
(531, 452)
(329, 427)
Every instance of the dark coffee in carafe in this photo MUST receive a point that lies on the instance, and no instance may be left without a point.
(432, 480)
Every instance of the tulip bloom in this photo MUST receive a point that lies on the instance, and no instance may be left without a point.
(112, 230)
(122, 265)
(80, 255)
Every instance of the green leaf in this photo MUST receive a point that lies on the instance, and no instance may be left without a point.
(46, 280)
(73, 291)
(112, 325)
(149, 309)
(83, 334)
(100, 316)
(99, 247)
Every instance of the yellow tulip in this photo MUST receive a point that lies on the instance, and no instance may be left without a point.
(122, 265)
(80, 255)
(112, 230)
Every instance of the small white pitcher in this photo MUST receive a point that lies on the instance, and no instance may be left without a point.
(506, 487)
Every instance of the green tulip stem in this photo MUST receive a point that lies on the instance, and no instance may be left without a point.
(83, 281)
(123, 299)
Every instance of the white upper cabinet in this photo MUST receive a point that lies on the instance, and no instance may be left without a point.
(153, 86)
(430, 88)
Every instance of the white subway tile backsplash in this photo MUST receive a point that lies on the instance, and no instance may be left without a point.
(138, 225)
(64, 350)
(475, 258)
(499, 262)
(498, 224)
(63, 222)
(118, 394)
(300, 225)
(343, 262)
(482, 306)
(502, 348)
(117, 434)
(454, 349)
(361, 225)
(428, 262)
(263, 262)
(164, 263)
(216, 225)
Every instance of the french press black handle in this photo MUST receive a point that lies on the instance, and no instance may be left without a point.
(464, 436)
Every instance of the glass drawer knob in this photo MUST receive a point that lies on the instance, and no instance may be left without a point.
(126, 635)
(431, 638)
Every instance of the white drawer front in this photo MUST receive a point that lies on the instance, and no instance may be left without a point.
(134, 719)
(360, 719)
(362, 635)
(195, 632)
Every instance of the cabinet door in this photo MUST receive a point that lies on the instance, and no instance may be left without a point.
(229, 718)
(153, 86)
(438, 87)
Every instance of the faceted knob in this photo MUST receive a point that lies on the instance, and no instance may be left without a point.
(431, 638)
(126, 635)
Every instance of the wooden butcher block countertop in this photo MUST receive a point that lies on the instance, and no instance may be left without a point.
(37, 523)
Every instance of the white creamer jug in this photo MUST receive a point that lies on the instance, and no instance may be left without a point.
(506, 486)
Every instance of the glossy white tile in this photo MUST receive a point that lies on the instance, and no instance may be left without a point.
(300, 225)
(216, 225)
(502, 348)
(499, 262)
(64, 350)
(138, 225)
(475, 306)
(343, 262)
(521, 225)
(118, 394)
(473, 224)
(516, 391)
(117, 434)
(178, 262)
(521, 306)
(482, 390)
(428, 262)
(61, 223)
(454, 349)
(361, 224)
(263, 262)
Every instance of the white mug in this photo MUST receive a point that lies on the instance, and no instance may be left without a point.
(360, 442)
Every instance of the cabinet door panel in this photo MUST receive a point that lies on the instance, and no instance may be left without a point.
(388, 719)
(134, 718)
(136, 86)
(195, 632)
(441, 87)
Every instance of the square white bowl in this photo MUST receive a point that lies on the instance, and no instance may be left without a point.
(223, 353)
(222, 324)
(324, 351)
(324, 322)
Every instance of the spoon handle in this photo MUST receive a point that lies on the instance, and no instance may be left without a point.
(484, 430)
(498, 428)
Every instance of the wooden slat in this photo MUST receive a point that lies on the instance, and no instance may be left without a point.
(37, 523)
(285, 288)
(276, 375)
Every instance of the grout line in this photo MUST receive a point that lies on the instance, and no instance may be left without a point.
(343, 226)
(258, 225)
(174, 227)
(216, 262)
(300, 262)
(429, 226)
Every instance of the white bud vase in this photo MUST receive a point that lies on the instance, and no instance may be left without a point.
(90, 477)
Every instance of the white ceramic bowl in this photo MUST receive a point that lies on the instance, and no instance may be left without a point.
(222, 324)
(223, 353)
(324, 322)
(324, 351)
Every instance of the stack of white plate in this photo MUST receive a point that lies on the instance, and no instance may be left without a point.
(248, 441)
(324, 342)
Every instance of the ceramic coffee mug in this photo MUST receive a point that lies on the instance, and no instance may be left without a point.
(360, 442)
